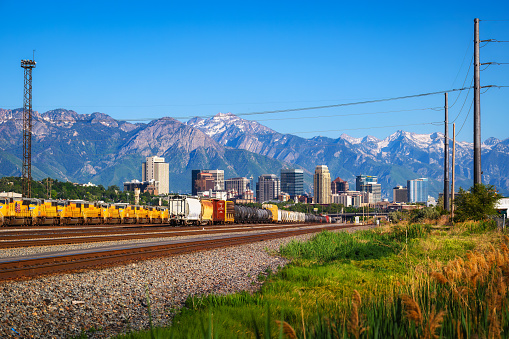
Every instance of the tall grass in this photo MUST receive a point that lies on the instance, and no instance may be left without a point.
(465, 298)
(399, 282)
(374, 244)
(475, 227)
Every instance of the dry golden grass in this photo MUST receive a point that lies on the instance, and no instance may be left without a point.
(288, 330)
(412, 309)
(486, 265)
(354, 325)
(433, 324)
(439, 277)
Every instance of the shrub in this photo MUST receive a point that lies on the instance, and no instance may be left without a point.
(422, 214)
(476, 204)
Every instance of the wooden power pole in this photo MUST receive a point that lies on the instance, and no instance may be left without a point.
(477, 107)
(446, 157)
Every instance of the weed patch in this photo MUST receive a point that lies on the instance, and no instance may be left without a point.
(402, 281)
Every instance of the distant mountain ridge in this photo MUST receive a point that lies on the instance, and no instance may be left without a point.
(95, 147)
(397, 158)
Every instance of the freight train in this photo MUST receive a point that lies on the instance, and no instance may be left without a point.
(181, 210)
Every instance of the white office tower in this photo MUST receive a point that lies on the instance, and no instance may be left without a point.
(155, 168)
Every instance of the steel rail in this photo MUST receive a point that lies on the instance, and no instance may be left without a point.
(49, 263)
(40, 230)
(50, 231)
(65, 239)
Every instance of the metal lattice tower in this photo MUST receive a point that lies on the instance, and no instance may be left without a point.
(27, 65)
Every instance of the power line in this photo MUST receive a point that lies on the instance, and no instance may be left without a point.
(350, 114)
(188, 105)
(305, 108)
(354, 103)
(494, 40)
(464, 81)
(470, 109)
(438, 108)
(359, 128)
(464, 102)
(495, 63)
(495, 86)
(462, 62)
(487, 89)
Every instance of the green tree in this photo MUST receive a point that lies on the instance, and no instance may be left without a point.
(476, 204)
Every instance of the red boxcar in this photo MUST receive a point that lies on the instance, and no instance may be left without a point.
(219, 211)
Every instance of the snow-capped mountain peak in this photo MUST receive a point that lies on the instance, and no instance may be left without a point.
(352, 140)
(227, 125)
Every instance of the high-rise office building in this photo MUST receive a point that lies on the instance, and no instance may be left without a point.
(369, 184)
(156, 169)
(322, 188)
(417, 190)
(400, 194)
(292, 182)
(268, 187)
(218, 179)
(194, 177)
(204, 182)
(364, 180)
(218, 176)
(238, 185)
(339, 185)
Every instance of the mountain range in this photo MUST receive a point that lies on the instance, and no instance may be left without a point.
(97, 148)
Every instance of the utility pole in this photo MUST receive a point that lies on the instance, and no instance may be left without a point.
(477, 107)
(27, 65)
(453, 164)
(446, 157)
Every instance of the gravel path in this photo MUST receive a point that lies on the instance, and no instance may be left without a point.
(114, 299)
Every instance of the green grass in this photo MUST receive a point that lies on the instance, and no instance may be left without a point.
(318, 285)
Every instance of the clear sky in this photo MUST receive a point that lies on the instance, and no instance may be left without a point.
(143, 60)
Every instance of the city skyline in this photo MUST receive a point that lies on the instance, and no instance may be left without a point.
(278, 57)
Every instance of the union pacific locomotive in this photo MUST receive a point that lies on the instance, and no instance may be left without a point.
(182, 210)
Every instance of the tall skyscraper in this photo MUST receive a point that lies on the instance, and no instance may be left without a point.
(268, 187)
(292, 182)
(339, 185)
(322, 182)
(417, 190)
(156, 169)
(369, 184)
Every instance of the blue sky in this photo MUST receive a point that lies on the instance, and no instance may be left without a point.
(135, 60)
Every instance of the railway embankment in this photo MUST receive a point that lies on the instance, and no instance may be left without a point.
(103, 302)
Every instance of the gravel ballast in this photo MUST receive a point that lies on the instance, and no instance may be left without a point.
(110, 301)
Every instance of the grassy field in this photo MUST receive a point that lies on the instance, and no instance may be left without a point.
(411, 281)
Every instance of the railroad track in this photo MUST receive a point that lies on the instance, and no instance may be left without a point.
(58, 262)
(86, 236)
